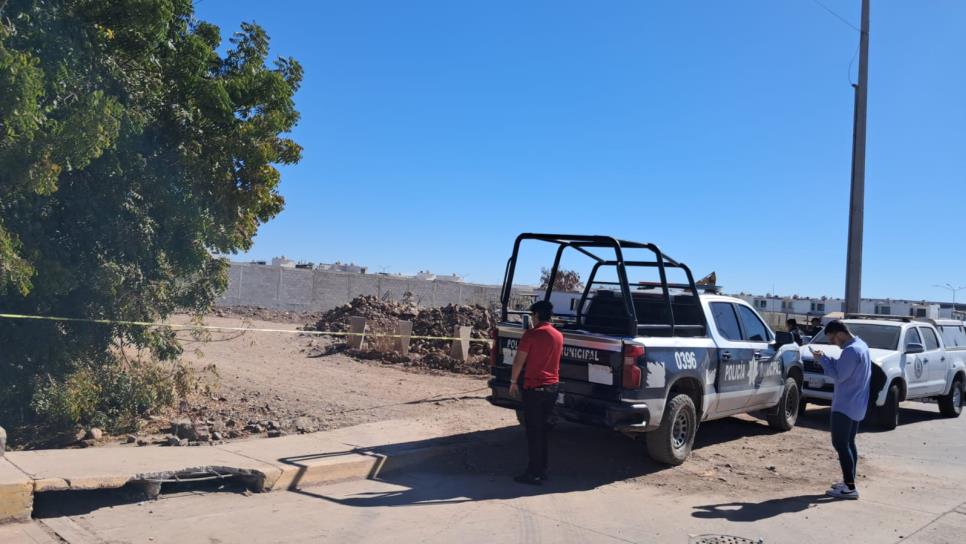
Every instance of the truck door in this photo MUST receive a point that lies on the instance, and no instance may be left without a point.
(767, 371)
(913, 365)
(734, 378)
(935, 364)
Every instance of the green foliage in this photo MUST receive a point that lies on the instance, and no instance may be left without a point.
(117, 394)
(69, 401)
(131, 154)
(567, 281)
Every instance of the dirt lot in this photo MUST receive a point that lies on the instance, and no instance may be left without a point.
(281, 377)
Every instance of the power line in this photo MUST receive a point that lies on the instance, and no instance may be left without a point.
(852, 63)
(837, 16)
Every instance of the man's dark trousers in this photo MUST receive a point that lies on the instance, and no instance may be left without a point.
(844, 430)
(537, 407)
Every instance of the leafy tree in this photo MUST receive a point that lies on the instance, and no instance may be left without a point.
(131, 154)
(566, 280)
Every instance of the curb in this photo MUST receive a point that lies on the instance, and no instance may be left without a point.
(269, 465)
(356, 466)
(16, 493)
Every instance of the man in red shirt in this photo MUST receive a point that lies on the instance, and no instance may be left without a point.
(538, 358)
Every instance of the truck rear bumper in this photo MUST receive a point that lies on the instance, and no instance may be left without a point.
(627, 417)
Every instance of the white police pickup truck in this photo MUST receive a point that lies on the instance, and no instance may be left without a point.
(911, 360)
(652, 357)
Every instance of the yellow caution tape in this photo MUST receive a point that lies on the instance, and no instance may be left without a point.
(233, 329)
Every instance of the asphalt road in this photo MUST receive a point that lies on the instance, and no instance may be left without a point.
(603, 490)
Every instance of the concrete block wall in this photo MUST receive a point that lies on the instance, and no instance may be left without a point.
(320, 290)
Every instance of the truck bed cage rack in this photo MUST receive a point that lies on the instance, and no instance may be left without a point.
(653, 284)
(584, 244)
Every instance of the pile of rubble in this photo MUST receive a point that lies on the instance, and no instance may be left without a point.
(195, 432)
(382, 317)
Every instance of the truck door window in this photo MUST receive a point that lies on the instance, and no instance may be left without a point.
(912, 337)
(726, 320)
(932, 343)
(755, 330)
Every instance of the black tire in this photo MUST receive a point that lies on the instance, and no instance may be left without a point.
(785, 414)
(671, 444)
(951, 405)
(888, 415)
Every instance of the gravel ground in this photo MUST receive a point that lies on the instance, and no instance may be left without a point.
(285, 382)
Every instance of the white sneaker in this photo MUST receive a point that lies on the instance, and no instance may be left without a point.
(838, 485)
(843, 493)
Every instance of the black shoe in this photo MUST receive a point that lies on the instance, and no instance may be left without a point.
(528, 479)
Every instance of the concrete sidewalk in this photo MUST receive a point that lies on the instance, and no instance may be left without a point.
(270, 464)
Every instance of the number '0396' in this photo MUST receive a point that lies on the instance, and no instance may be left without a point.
(686, 360)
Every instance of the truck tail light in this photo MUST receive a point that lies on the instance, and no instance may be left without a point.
(494, 345)
(632, 372)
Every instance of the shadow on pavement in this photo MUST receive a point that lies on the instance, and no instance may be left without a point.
(55, 504)
(817, 418)
(743, 512)
(479, 465)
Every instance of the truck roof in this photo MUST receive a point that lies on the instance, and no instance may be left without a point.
(887, 322)
(723, 298)
(944, 322)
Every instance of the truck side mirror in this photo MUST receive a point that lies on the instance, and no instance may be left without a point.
(914, 348)
(783, 338)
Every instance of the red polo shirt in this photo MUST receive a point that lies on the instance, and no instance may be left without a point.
(543, 345)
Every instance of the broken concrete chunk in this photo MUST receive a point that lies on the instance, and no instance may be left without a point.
(305, 425)
(184, 428)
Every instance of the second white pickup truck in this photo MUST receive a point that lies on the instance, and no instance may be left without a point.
(910, 361)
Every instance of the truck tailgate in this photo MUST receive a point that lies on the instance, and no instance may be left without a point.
(590, 365)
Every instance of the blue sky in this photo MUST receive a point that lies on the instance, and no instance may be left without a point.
(436, 131)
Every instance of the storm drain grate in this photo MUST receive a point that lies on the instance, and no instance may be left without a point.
(193, 476)
(723, 539)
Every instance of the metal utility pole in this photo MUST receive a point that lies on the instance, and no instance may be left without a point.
(954, 290)
(853, 271)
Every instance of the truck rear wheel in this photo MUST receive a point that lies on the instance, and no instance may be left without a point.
(785, 414)
(888, 415)
(671, 443)
(951, 405)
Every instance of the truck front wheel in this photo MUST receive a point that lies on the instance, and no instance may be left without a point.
(671, 443)
(888, 414)
(952, 404)
(785, 414)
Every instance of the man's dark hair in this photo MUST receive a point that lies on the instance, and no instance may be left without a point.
(791, 322)
(835, 326)
(543, 309)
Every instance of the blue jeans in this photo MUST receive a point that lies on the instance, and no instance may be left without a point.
(844, 430)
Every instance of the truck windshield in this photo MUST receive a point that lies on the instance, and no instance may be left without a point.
(876, 336)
